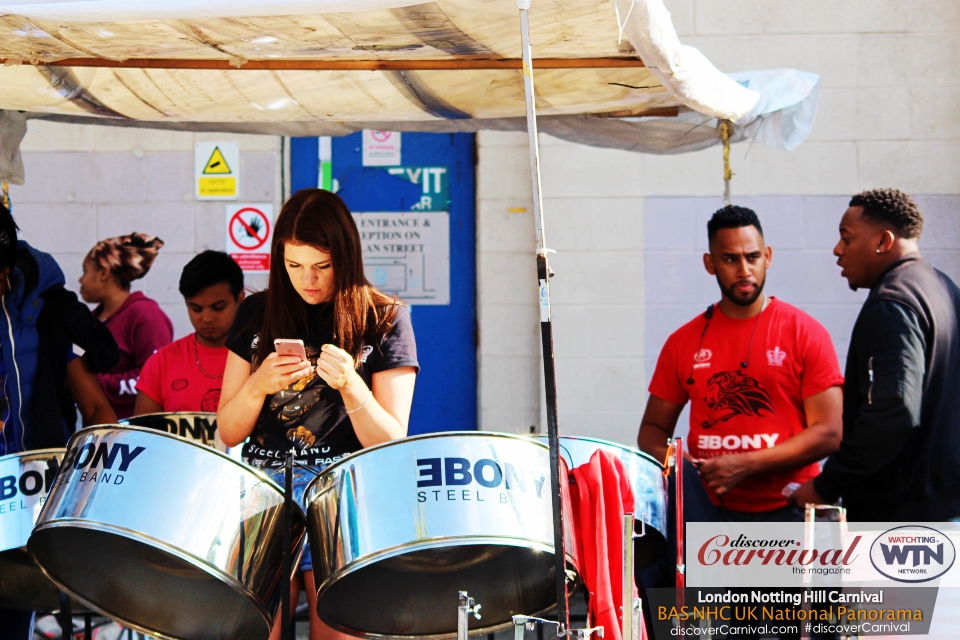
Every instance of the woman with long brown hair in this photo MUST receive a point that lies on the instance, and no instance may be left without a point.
(355, 387)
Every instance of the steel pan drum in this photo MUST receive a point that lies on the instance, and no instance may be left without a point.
(164, 535)
(398, 529)
(25, 480)
(647, 481)
(199, 426)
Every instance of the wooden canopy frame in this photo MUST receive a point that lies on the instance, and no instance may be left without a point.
(338, 65)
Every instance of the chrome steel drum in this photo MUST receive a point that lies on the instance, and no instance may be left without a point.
(25, 480)
(164, 535)
(398, 529)
(647, 481)
(199, 426)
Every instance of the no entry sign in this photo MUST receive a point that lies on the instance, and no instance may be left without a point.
(249, 229)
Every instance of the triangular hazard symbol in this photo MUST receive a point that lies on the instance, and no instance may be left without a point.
(217, 163)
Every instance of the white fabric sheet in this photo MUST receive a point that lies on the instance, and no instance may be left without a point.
(683, 70)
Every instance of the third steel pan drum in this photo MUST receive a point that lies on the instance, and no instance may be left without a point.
(165, 535)
(647, 481)
(398, 529)
(199, 426)
(25, 480)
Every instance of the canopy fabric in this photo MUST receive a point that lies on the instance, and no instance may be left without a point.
(581, 102)
(46, 32)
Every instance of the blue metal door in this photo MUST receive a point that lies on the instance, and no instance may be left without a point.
(446, 394)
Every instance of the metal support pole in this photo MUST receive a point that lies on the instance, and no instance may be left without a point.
(630, 607)
(678, 479)
(626, 609)
(285, 613)
(546, 326)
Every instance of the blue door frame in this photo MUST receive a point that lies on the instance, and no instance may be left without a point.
(446, 394)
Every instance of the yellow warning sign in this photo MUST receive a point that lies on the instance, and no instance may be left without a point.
(217, 163)
(217, 187)
(216, 170)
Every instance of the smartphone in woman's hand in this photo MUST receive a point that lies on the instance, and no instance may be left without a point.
(290, 347)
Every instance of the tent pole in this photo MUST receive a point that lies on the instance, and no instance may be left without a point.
(546, 327)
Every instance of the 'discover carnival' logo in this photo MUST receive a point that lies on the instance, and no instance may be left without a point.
(912, 553)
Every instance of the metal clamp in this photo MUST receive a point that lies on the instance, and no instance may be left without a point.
(464, 609)
(520, 623)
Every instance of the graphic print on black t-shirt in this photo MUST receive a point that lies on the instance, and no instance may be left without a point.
(733, 393)
(309, 414)
(304, 408)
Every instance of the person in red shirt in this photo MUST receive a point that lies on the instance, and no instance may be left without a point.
(762, 379)
(186, 375)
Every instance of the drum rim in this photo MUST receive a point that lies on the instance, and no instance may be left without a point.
(422, 436)
(421, 545)
(167, 413)
(204, 447)
(609, 443)
(33, 452)
(137, 536)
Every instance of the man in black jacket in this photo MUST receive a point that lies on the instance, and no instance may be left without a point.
(42, 382)
(900, 454)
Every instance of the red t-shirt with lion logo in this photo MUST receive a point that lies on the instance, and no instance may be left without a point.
(735, 409)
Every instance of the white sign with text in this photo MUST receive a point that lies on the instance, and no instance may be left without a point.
(381, 148)
(407, 253)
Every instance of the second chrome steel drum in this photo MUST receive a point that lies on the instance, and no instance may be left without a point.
(647, 482)
(398, 529)
(164, 535)
(25, 480)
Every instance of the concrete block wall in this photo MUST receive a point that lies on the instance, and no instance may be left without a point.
(86, 183)
(593, 221)
(889, 115)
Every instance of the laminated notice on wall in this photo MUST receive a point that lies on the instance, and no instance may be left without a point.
(407, 254)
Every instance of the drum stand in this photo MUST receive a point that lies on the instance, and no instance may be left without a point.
(464, 609)
(65, 619)
(630, 609)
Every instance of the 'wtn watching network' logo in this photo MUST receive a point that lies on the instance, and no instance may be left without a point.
(912, 553)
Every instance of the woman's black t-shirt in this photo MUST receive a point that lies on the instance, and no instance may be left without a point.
(309, 415)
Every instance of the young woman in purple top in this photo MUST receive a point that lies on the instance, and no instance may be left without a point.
(137, 323)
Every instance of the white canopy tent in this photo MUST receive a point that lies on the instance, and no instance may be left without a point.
(609, 72)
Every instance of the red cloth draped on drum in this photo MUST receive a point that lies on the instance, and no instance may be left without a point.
(600, 493)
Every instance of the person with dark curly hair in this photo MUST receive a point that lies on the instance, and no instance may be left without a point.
(900, 454)
(137, 323)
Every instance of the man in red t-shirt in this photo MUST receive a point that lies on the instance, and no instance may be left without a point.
(762, 379)
(186, 375)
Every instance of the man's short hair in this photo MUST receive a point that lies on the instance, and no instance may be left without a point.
(893, 207)
(732, 217)
(8, 239)
(210, 268)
